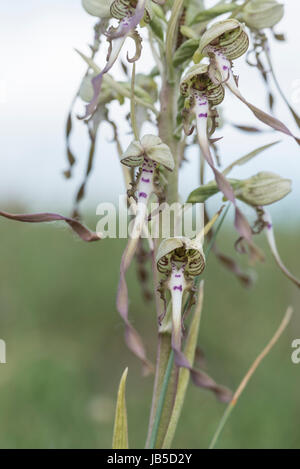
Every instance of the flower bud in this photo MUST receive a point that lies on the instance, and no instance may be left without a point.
(150, 147)
(99, 8)
(261, 14)
(264, 189)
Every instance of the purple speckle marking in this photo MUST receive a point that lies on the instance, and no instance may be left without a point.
(178, 276)
(178, 288)
(143, 194)
(225, 67)
(269, 226)
(145, 180)
(202, 115)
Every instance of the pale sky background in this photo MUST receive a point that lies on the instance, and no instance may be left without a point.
(40, 73)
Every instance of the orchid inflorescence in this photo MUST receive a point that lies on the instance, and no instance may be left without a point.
(194, 54)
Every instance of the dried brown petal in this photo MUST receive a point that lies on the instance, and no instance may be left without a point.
(84, 233)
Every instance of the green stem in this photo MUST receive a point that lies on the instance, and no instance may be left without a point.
(161, 401)
(132, 105)
(216, 232)
(221, 425)
(171, 34)
(163, 352)
(166, 123)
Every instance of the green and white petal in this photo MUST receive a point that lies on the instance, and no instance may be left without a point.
(99, 8)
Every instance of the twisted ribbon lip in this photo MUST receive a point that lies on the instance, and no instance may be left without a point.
(117, 38)
(220, 63)
(241, 223)
(84, 233)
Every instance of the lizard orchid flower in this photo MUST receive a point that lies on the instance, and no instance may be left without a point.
(226, 41)
(181, 260)
(202, 95)
(129, 13)
(148, 155)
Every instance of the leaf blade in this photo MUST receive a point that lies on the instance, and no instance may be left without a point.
(211, 13)
(120, 436)
(249, 156)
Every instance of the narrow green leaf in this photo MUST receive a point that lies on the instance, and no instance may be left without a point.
(189, 33)
(120, 437)
(158, 11)
(171, 32)
(202, 193)
(185, 52)
(161, 401)
(157, 29)
(211, 13)
(248, 157)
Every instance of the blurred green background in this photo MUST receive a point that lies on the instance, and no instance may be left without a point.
(65, 349)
